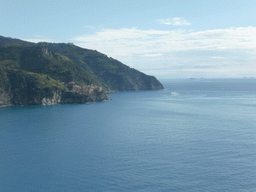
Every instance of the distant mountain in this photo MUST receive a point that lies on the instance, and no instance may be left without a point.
(54, 65)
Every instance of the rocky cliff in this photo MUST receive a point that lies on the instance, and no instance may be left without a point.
(18, 87)
(69, 97)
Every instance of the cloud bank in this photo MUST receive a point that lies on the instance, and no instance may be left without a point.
(220, 51)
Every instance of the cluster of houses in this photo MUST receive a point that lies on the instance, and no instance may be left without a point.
(86, 89)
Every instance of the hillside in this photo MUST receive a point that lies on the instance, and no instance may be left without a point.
(113, 74)
(26, 66)
(39, 59)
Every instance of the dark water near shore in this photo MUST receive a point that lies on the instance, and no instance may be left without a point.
(195, 135)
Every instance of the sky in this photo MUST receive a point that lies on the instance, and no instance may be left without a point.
(165, 38)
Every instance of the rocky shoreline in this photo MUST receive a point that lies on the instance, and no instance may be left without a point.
(56, 97)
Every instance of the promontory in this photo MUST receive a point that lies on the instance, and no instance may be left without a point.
(51, 73)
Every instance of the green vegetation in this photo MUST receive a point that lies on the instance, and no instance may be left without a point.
(30, 72)
(24, 87)
(111, 73)
(40, 59)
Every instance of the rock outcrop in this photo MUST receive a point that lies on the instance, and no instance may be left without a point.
(4, 99)
(70, 97)
(55, 99)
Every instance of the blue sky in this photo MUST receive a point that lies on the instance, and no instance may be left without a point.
(165, 38)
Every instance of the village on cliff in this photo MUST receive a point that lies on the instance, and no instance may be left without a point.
(86, 89)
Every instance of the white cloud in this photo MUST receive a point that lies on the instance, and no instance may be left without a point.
(157, 55)
(217, 57)
(173, 21)
(129, 42)
(142, 49)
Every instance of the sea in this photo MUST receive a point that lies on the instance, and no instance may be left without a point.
(194, 135)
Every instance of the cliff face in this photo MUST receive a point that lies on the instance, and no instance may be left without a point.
(20, 87)
(4, 99)
(56, 97)
(69, 97)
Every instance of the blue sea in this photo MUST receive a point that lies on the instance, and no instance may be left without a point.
(195, 135)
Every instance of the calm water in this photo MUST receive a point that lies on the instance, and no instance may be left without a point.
(195, 135)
